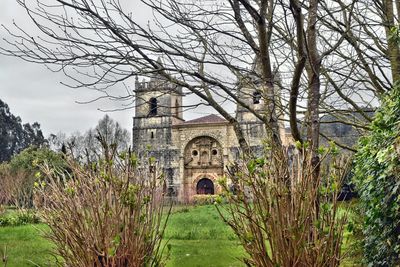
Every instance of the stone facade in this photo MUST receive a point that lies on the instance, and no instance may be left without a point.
(195, 153)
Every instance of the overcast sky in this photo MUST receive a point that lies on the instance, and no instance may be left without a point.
(35, 94)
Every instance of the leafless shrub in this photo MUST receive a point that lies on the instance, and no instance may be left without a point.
(16, 187)
(107, 215)
(283, 213)
(6, 188)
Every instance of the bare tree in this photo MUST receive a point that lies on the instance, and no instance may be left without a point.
(365, 65)
(106, 140)
(328, 52)
(206, 48)
(112, 138)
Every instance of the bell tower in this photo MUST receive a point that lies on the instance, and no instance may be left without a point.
(251, 91)
(158, 105)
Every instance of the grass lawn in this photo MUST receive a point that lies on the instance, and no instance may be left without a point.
(197, 237)
(24, 246)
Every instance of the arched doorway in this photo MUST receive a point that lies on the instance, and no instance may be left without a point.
(205, 187)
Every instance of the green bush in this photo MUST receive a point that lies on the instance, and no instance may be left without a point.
(377, 180)
(19, 218)
(204, 199)
(18, 176)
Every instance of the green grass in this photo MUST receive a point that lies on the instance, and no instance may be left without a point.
(201, 253)
(24, 246)
(199, 222)
(196, 235)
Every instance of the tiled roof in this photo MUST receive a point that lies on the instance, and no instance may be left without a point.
(206, 119)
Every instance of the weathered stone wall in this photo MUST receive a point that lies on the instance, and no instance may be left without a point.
(182, 137)
(171, 141)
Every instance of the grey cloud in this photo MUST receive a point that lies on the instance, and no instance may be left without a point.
(35, 94)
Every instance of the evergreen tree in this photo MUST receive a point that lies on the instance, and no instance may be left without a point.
(14, 137)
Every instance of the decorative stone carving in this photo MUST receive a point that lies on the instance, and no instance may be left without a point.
(203, 152)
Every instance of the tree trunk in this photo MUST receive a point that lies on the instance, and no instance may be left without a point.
(313, 72)
(388, 19)
(264, 35)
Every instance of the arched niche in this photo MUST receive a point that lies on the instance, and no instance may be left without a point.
(153, 105)
(203, 152)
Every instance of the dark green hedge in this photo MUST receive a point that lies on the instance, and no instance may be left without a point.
(378, 182)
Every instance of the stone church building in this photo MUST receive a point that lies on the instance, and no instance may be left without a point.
(193, 153)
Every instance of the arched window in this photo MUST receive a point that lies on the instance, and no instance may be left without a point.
(153, 106)
(256, 97)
